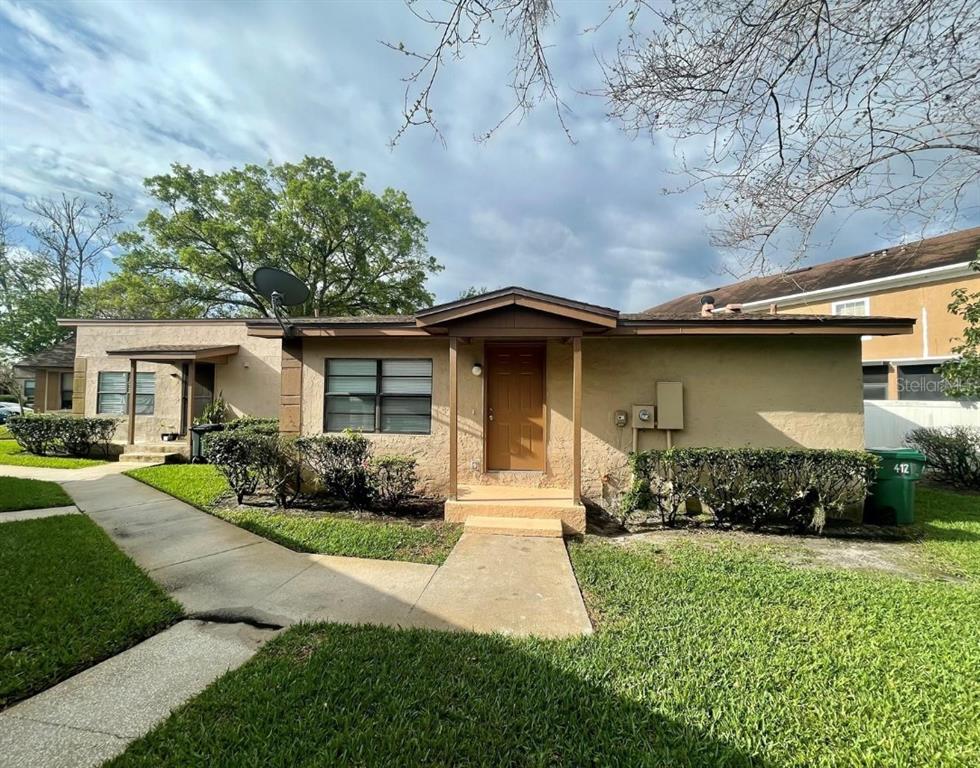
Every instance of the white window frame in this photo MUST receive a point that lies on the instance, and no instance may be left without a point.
(864, 300)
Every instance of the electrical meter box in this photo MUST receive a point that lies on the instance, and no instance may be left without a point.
(670, 405)
(643, 417)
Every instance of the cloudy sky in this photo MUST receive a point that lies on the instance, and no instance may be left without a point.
(98, 95)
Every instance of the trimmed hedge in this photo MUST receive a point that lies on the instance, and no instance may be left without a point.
(748, 486)
(45, 433)
(250, 460)
(952, 453)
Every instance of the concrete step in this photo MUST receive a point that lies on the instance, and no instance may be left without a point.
(514, 526)
(571, 514)
(154, 447)
(148, 457)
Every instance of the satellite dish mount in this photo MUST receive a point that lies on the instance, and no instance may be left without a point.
(282, 289)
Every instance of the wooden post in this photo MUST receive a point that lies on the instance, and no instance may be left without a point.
(892, 388)
(453, 417)
(191, 378)
(577, 419)
(131, 403)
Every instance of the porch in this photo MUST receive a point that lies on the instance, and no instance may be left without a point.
(196, 367)
(515, 375)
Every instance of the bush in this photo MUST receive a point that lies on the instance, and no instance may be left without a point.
(952, 453)
(749, 486)
(393, 480)
(340, 465)
(250, 460)
(75, 435)
(232, 453)
(251, 424)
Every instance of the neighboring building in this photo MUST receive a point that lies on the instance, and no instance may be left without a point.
(45, 378)
(912, 280)
(508, 390)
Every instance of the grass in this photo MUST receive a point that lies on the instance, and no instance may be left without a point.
(12, 454)
(68, 599)
(717, 656)
(203, 485)
(16, 493)
(950, 525)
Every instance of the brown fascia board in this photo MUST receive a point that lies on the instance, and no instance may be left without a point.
(774, 325)
(75, 322)
(478, 305)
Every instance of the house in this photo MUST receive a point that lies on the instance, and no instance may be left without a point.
(46, 378)
(915, 279)
(514, 402)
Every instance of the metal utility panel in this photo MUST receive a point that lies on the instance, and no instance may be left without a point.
(670, 405)
(643, 417)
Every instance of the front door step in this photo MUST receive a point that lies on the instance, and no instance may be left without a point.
(514, 526)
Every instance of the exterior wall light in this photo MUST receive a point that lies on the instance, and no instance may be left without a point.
(477, 369)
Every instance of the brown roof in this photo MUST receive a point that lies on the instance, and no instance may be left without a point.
(61, 355)
(953, 248)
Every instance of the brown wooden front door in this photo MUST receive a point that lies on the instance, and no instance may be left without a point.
(515, 407)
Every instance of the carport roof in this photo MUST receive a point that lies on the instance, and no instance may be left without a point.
(175, 352)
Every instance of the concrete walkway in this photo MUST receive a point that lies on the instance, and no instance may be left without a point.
(239, 589)
(92, 716)
(33, 514)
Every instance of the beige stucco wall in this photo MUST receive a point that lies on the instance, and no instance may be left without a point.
(739, 391)
(940, 327)
(249, 382)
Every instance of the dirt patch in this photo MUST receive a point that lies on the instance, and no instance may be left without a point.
(417, 512)
(901, 558)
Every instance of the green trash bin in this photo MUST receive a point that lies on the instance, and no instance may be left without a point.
(893, 494)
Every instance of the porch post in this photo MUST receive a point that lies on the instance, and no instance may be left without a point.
(577, 419)
(191, 376)
(453, 420)
(131, 402)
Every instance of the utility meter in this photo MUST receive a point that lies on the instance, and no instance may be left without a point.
(620, 418)
(642, 417)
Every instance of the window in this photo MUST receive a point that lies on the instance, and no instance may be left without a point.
(393, 396)
(29, 391)
(876, 382)
(852, 307)
(66, 390)
(113, 394)
(920, 382)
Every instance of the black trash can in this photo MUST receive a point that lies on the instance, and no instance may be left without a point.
(198, 431)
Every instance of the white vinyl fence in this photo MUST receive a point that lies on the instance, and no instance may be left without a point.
(886, 422)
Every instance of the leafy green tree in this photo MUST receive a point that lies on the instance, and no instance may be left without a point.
(962, 375)
(359, 252)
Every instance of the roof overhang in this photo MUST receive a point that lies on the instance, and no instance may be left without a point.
(755, 325)
(177, 353)
(590, 314)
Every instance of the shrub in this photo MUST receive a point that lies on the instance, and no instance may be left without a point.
(35, 434)
(252, 424)
(279, 466)
(233, 454)
(392, 479)
(213, 412)
(952, 453)
(340, 465)
(250, 460)
(750, 486)
(75, 435)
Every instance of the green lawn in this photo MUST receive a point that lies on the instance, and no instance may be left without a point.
(12, 454)
(68, 599)
(950, 525)
(202, 485)
(702, 656)
(16, 493)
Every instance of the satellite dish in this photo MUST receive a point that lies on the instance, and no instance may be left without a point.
(707, 299)
(282, 290)
(275, 283)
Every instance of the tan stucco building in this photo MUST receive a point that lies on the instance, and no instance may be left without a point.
(911, 280)
(510, 395)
